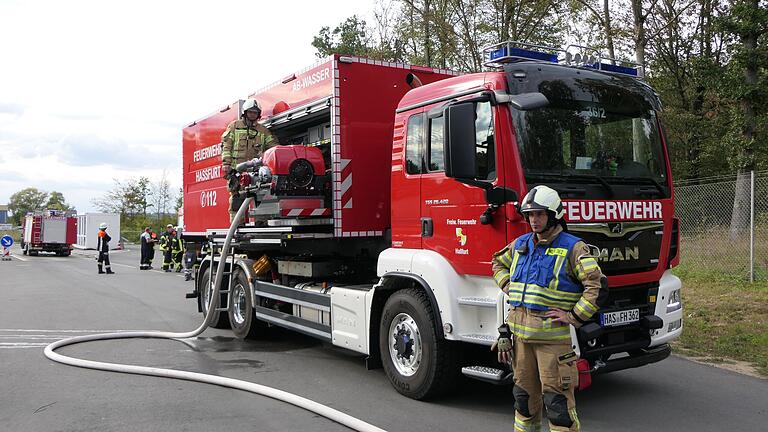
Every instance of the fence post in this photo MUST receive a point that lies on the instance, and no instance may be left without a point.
(751, 226)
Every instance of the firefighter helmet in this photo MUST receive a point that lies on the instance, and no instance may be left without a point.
(251, 105)
(543, 198)
(103, 226)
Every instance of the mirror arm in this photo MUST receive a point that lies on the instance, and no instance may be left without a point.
(486, 185)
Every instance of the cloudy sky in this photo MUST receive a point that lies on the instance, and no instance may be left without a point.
(96, 90)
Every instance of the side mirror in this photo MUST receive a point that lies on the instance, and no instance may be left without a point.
(459, 141)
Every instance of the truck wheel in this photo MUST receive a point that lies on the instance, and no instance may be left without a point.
(66, 254)
(241, 317)
(418, 364)
(219, 320)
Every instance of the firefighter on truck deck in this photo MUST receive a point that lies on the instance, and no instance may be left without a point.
(243, 140)
(552, 282)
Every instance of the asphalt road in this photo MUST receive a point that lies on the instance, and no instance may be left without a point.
(46, 298)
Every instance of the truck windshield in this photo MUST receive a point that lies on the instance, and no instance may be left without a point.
(591, 142)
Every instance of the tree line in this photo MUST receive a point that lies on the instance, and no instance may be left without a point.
(32, 199)
(707, 59)
(140, 202)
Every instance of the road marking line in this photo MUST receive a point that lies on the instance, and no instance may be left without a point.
(21, 344)
(34, 336)
(66, 331)
(18, 257)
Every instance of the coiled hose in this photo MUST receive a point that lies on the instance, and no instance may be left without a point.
(325, 411)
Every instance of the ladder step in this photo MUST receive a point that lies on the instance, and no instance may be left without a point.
(478, 301)
(488, 374)
(479, 338)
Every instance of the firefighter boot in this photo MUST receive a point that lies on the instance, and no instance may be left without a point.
(109, 271)
(101, 270)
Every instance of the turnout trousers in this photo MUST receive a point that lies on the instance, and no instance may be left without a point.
(145, 257)
(545, 374)
(167, 259)
(104, 260)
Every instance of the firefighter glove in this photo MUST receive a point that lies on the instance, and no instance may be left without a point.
(503, 345)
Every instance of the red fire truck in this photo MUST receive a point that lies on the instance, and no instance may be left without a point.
(376, 218)
(49, 231)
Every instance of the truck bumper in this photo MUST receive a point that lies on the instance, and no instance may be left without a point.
(644, 357)
(671, 314)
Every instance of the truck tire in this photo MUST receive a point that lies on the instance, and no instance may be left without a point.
(219, 320)
(418, 364)
(242, 320)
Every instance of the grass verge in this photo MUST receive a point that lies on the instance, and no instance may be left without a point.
(725, 318)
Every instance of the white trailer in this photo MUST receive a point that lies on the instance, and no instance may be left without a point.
(88, 229)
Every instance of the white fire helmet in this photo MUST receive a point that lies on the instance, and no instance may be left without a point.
(103, 226)
(543, 198)
(251, 104)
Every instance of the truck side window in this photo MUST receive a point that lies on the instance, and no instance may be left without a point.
(414, 143)
(485, 147)
(436, 154)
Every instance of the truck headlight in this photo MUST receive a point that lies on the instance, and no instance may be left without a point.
(674, 302)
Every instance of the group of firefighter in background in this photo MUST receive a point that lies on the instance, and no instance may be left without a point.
(175, 255)
(550, 277)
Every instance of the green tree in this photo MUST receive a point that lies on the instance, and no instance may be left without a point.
(129, 198)
(747, 22)
(180, 200)
(351, 37)
(161, 196)
(56, 201)
(24, 201)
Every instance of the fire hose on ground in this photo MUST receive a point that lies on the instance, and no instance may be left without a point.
(307, 404)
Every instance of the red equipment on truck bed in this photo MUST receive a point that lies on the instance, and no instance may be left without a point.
(358, 96)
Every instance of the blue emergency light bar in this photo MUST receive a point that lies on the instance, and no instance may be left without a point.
(519, 53)
(607, 67)
(510, 52)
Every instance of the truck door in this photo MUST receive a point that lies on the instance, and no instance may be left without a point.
(406, 184)
(452, 209)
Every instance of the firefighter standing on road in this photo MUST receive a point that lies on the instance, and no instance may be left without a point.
(147, 249)
(552, 282)
(177, 251)
(102, 246)
(165, 247)
(243, 140)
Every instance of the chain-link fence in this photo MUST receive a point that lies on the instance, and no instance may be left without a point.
(724, 224)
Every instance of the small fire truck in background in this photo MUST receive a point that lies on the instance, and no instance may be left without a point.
(376, 219)
(49, 231)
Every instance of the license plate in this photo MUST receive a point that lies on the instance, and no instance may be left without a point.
(610, 319)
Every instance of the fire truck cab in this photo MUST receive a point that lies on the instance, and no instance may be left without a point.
(377, 217)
